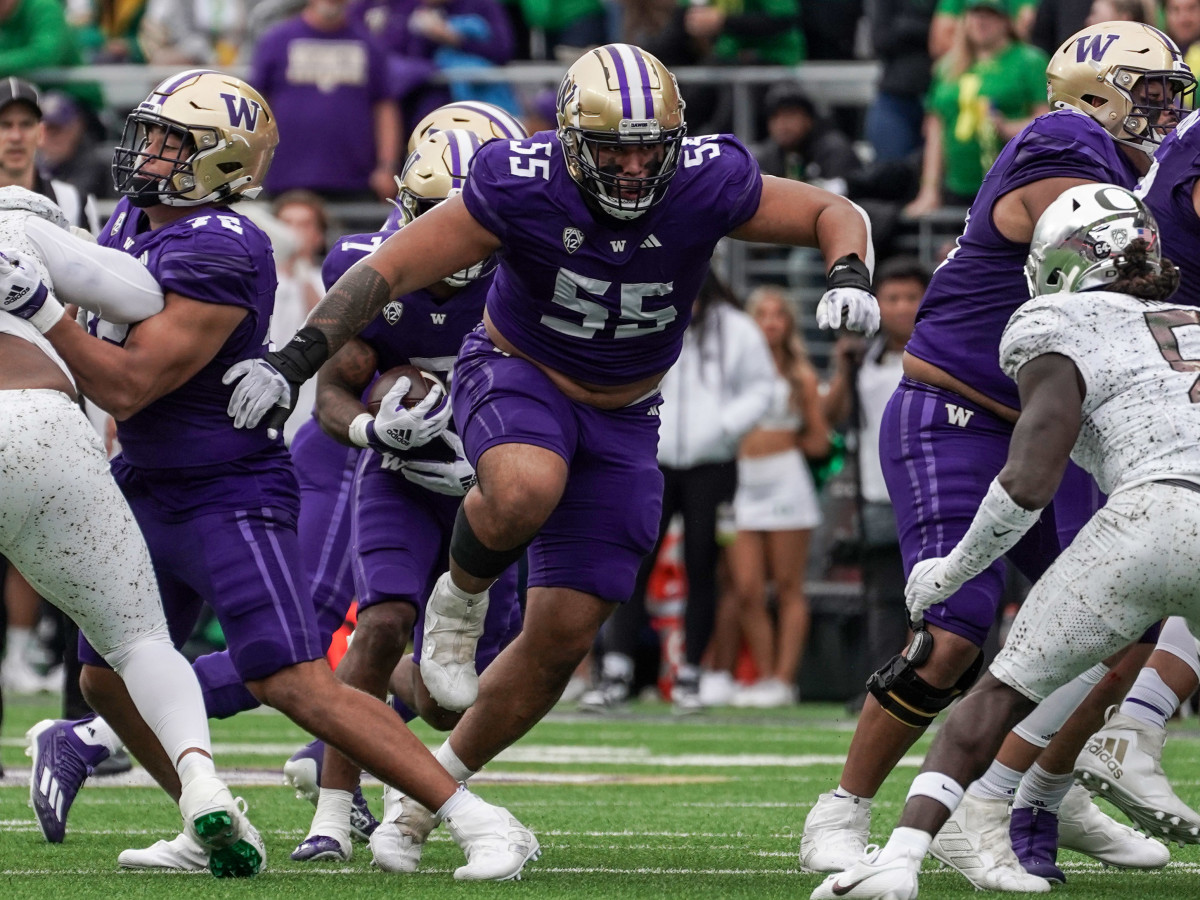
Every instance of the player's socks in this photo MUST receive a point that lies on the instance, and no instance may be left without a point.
(999, 782)
(95, 732)
(451, 763)
(1042, 789)
(1150, 700)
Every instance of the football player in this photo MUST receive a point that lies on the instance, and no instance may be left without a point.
(71, 533)
(325, 468)
(417, 481)
(1116, 89)
(1097, 363)
(603, 230)
(217, 504)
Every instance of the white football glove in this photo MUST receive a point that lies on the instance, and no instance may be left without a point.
(851, 308)
(451, 478)
(261, 388)
(24, 294)
(927, 585)
(402, 429)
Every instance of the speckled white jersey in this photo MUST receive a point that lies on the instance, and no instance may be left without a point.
(65, 525)
(1140, 362)
(12, 234)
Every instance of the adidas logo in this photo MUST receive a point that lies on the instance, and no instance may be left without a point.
(650, 242)
(1111, 752)
(48, 788)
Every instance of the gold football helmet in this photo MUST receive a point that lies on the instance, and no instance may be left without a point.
(485, 119)
(436, 170)
(1129, 77)
(615, 98)
(215, 133)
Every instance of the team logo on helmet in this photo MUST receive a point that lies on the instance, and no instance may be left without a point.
(200, 137)
(1081, 239)
(1129, 77)
(572, 238)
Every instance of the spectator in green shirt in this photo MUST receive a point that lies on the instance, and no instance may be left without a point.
(34, 35)
(949, 12)
(748, 31)
(985, 90)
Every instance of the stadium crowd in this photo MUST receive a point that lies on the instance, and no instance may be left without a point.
(552, 478)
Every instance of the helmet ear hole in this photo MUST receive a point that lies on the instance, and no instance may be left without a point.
(228, 167)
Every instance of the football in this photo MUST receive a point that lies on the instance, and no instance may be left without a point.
(421, 383)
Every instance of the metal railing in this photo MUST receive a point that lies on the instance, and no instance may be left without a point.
(830, 84)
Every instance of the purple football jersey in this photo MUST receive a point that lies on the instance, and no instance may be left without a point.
(980, 285)
(418, 328)
(1167, 189)
(601, 301)
(213, 255)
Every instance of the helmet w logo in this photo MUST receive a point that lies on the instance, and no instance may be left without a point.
(1093, 46)
(242, 108)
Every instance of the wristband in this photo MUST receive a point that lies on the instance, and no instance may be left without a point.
(849, 272)
(358, 430)
(299, 360)
(998, 525)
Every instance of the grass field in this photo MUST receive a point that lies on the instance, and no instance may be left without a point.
(639, 805)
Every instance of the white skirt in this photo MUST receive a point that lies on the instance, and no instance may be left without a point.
(775, 493)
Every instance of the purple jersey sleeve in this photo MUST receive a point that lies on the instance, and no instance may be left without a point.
(1167, 190)
(346, 252)
(980, 285)
(601, 301)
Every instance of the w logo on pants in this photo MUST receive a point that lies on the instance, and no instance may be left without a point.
(958, 416)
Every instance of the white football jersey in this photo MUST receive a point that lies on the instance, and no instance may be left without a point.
(1140, 361)
(12, 234)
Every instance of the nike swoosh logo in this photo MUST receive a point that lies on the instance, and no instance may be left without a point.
(840, 890)
(997, 533)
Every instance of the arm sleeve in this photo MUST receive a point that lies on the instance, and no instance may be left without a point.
(112, 284)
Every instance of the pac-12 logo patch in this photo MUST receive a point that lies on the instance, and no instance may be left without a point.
(572, 238)
(393, 311)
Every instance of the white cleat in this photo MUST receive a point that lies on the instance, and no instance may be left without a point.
(975, 842)
(1123, 763)
(496, 844)
(836, 831)
(397, 843)
(1085, 828)
(895, 880)
(217, 822)
(183, 854)
(452, 630)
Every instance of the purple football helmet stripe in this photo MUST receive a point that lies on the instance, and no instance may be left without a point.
(623, 81)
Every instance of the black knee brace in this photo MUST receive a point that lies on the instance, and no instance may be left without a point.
(472, 556)
(909, 698)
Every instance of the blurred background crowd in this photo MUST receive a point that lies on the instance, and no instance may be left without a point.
(778, 555)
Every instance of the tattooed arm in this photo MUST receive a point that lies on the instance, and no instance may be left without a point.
(439, 243)
(340, 384)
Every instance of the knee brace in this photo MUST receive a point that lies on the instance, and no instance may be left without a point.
(909, 698)
(473, 557)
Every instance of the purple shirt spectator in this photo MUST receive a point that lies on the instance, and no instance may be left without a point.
(323, 86)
